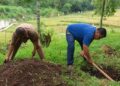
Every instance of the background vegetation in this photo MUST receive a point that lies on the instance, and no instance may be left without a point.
(55, 16)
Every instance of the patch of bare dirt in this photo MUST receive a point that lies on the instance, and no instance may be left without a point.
(30, 73)
(109, 51)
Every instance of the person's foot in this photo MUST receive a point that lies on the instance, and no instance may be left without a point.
(70, 69)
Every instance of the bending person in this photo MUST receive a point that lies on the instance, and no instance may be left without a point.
(22, 34)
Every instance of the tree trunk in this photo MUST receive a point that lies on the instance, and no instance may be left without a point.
(102, 13)
(38, 15)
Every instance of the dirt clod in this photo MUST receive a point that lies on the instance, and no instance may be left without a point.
(30, 73)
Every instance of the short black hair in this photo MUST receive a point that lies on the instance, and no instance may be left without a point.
(102, 31)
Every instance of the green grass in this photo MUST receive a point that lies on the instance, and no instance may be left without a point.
(57, 50)
(56, 53)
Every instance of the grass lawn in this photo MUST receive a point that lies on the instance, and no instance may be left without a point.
(56, 52)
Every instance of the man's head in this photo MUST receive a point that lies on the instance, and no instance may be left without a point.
(100, 33)
(21, 33)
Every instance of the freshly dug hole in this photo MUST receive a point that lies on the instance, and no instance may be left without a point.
(111, 71)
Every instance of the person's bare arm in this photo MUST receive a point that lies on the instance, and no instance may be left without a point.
(16, 47)
(85, 53)
(9, 54)
(38, 48)
(12, 47)
(33, 52)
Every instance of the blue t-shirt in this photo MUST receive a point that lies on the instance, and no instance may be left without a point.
(83, 33)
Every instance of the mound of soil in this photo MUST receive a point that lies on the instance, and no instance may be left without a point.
(108, 50)
(30, 73)
(113, 73)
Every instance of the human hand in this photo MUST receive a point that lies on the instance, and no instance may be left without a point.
(89, 60)
(82, 53)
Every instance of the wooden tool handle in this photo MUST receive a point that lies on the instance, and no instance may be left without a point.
(100, 70)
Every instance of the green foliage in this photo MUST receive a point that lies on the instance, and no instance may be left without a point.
(61, 5)
(14, 12)
(45, 35)
(23, 3)
(57, 51)
(110, 6)
(5, 2)
(49, 12)
(80, 5)
(67, 8)
(45, 30)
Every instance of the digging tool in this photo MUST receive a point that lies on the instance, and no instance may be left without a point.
(101, 71)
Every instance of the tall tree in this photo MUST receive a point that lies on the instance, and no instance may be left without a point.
(105, 8)
(102, 13)
(38, 15)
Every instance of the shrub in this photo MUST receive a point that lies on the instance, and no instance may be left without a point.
(14, 12)
(46, 35)
(67, 8)
(50, 12)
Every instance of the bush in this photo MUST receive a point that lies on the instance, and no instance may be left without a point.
(14, 12)
(46, 35)
(50, 12)
(67, 8)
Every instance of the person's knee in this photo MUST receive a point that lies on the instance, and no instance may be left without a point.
(38, 46)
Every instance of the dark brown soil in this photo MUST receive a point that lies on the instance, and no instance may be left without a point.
(109, 51)
(30, 73)
(111, 71)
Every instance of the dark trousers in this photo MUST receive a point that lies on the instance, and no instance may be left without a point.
(70, 48)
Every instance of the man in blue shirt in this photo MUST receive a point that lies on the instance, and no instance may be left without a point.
(84, 34)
